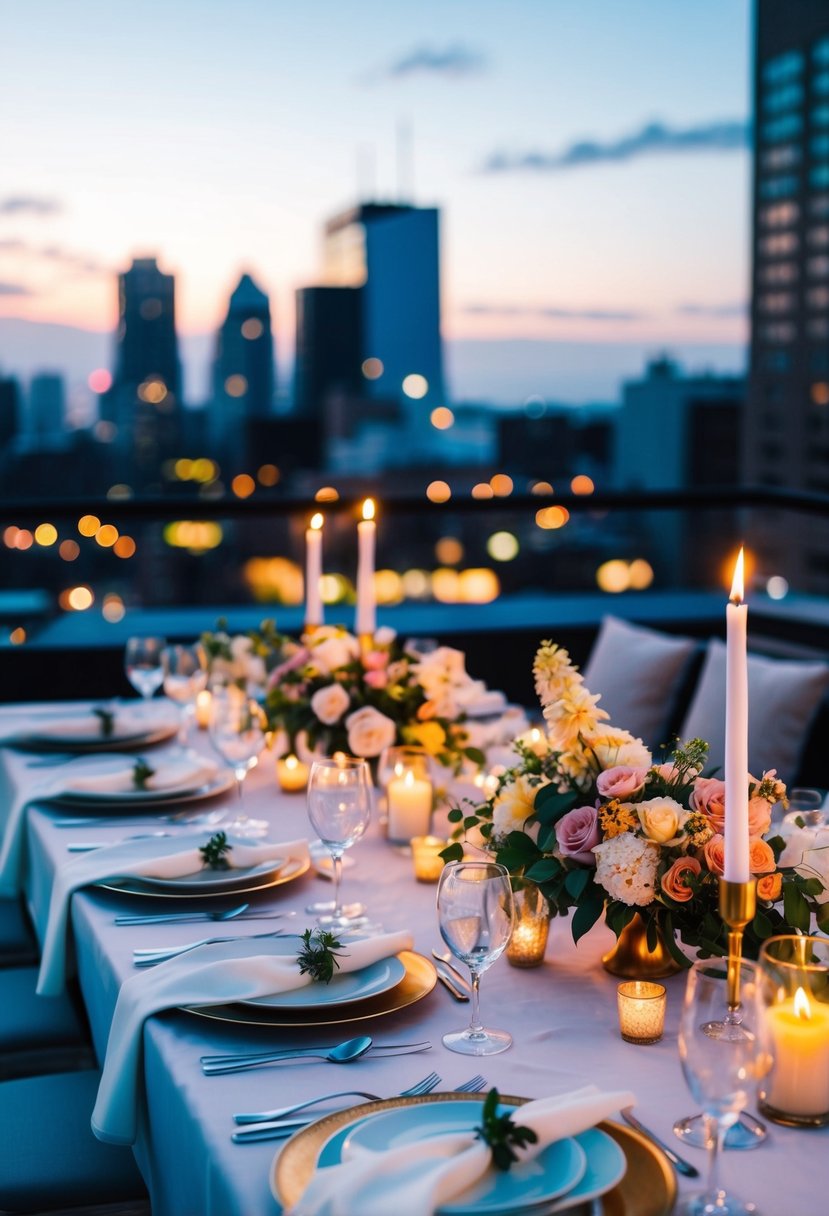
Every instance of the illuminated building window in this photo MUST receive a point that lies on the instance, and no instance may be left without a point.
(819, 146)
(783, 331)
(783, 67)
(778, 187)
(785, 127)
(819, 236)
(783, 215)
(779, 243)
(252, 329)
(778, 273)
(818, 268)
(787, 97)
(236, 386)
(817, 297)
(819, 206)
(818, 328)
(781, 157)
(776, 302)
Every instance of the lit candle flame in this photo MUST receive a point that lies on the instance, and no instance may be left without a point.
(802, 1008)
(409, 778)
(368, 509)
(737, 586)
(316, 521)
(535, 735)
(291, 762)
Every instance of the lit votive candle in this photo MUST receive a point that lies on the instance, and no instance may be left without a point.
(204, 704)
(410, 807)
(528, 943)
(798, 1089)
(426, 857)
(291, 774)
(641, 1011)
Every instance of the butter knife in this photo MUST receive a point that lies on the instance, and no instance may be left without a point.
(679, 1163)
(450, 985)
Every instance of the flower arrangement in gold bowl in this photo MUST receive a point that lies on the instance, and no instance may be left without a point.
(603, 830)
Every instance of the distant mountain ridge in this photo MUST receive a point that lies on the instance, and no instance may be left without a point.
(502, 371)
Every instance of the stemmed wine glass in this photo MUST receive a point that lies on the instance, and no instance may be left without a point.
(142, 664)
(185, 676)
(722, 1060)
(237, 732)
(339, 807)
(475, 914)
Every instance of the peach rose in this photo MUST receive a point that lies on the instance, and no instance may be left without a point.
(661, 819)
(713, 851)
(760, 856)
(770, 887)
(759, 816)
(330, 703)
(369, 731)
(621, 781)
(674, 881)
(708, 798)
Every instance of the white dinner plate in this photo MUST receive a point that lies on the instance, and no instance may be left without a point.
(74, 799)
(379, 977)
(131, 736)
(208, 882)
(554, 1173)
(274, 874)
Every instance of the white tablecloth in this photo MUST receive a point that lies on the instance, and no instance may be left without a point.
(562, 1016)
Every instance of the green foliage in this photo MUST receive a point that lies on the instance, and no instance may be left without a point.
(501, 1134)
(107, 718)
(318, 957)
(214, 851)
(141, 773)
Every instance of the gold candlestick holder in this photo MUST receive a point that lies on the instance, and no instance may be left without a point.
(738, 903)
(309, 629)
(366, 643)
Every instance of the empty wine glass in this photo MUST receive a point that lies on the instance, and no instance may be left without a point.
(185, 675)
(475, 915)
(722, 1062)
(237, 731)
(142, 663)
(339, 807)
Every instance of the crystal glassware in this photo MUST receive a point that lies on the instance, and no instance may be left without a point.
(237, 731)
(339, 807)
(722, 1061)
(475, 916)
(142, 664)
(185, 676)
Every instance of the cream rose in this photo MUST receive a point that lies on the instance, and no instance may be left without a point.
(330, 703)
(661, 819)
(369, 731)
(615, 747)
(332, 649)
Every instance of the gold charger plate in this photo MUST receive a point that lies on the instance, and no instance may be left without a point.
(418, 982)
(295, 867)
(647, 1189)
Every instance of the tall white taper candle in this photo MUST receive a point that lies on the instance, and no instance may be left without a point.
(736, 733)
(313, 572)
(366, 622)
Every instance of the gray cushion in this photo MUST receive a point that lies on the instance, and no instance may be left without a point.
(638, 672)
(783, 698)
(30, 1021)
(49, 1157)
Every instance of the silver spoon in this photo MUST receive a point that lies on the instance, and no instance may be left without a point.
(342, 1053)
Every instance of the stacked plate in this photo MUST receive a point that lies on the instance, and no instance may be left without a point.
(83, 730)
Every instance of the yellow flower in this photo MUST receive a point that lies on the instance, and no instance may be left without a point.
(430, 735)
(616, 817)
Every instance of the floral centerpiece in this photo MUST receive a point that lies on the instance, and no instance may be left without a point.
(602, 829)
(325, 692)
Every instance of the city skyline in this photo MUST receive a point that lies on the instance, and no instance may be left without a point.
(589, 191)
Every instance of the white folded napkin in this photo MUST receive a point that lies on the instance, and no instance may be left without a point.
(84, 724)
(150, 858)
(416, 1179)
(84, 776)
(209, 975)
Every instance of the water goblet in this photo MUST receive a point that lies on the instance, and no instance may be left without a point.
(475, 916)
(237, 732)
(185, 676)
(142, 664)
(339, 807)
(722, 1061)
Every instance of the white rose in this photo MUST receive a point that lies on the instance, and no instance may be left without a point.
(807, 851)
(333, 648)
(369, 731)
(384, 636)
(330, 703)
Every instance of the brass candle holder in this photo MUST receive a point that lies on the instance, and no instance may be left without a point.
(366, 641)
(738, 903)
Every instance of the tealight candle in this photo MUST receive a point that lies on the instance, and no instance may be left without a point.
(291, 774)
(426, 857)
(641, 1011)
(204, 705)
(528, 943)
(410, 807)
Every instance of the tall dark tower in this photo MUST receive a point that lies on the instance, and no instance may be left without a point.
(787, 422)
(146, 394)
(243, 374)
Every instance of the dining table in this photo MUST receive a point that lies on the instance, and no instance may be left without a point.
(562, 1014)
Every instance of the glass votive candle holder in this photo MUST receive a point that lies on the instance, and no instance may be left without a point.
(796, 996)
(204, 706)
(530, 927)
(409, 793)
(641, 1011)
(291, 774)
(426, 858)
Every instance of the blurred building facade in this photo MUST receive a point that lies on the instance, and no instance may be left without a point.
(46, 411)
(244, 380)
(786, 439)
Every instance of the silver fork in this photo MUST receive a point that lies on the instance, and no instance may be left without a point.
(149, 957)
(281, 1112)
(282, 1130)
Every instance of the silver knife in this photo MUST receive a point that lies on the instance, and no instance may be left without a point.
(457, 974)
(450, 985)
(679, 1163)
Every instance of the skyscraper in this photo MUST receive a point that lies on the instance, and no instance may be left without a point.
(47, 399)
(786, 439)
(145, 400)
(243, 373)
(9, 410)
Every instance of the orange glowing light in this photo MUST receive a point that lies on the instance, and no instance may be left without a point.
(17, 636)
(326, 494)
(372, 368)
(69, 550)
(267, 475)
(582, 484)
(442, 418)
(88, 525)
(368, 509)
(24, 539)
(124, 547)
(438, 491)
(317, 521)
(243, 485)
(501, 485)
(236, 386)
(106, 536)
(483, 490)
(738, 582)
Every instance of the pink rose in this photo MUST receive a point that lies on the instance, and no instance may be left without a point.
(577, 833)
(714, 853)
(708, 799)
(375, 660)
(621, 781)
(376, 679)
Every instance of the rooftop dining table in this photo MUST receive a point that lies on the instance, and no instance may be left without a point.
(562, 1016)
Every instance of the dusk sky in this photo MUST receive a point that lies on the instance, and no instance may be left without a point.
(589, 156)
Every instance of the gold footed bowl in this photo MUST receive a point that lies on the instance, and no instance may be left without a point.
(632, 959)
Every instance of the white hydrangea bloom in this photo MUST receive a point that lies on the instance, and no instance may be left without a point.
(626, 868)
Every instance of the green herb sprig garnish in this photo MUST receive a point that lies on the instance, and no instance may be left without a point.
(141, 773)
(500, 1133)
(107, 721)
(214, 852)
(317, 957)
